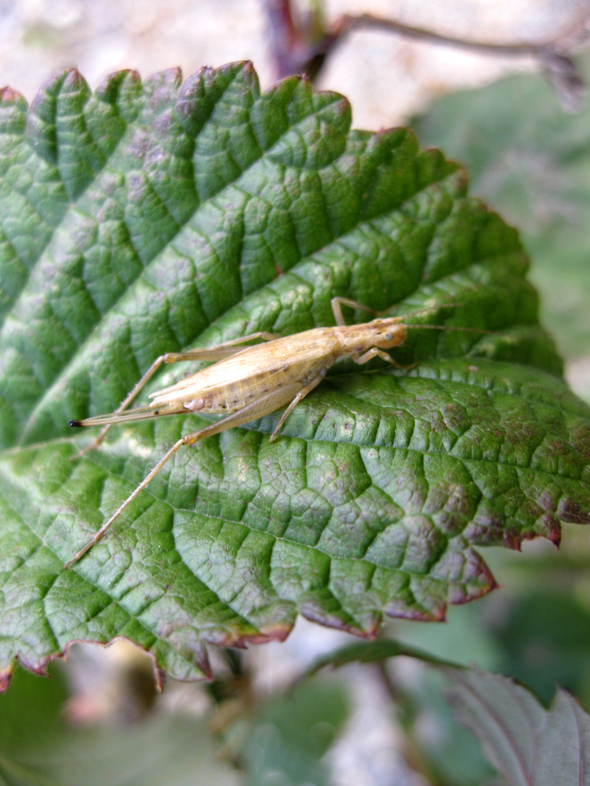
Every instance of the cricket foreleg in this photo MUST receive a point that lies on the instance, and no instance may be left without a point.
(215, 353)
(374, 352)
(257, 409)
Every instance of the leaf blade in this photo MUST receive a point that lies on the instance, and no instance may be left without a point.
(205, 212)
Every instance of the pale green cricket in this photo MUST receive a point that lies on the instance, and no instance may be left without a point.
(249, 383)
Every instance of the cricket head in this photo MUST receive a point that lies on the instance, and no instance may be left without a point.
(388, 332)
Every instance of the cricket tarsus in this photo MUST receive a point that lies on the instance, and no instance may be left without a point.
(248, 383)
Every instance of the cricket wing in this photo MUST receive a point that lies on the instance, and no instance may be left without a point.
(234, 382)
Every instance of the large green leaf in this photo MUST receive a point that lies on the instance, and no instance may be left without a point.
(150, 217)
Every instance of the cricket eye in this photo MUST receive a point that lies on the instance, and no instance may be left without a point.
(388, 336)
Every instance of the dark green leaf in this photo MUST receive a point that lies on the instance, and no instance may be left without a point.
(152, 217)
(528, 744)
(544, 639)
(293, 734)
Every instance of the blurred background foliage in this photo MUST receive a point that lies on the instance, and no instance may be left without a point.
(98, 718)
(530, 161)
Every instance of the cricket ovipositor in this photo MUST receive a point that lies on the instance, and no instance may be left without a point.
(248, 383)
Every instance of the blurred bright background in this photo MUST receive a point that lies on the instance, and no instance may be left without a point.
(387, 78)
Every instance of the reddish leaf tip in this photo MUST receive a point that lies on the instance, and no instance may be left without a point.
(7, 94)
(5, 678)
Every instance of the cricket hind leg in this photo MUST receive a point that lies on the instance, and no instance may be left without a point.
(299, 397)
(219, 352)
(257, 409)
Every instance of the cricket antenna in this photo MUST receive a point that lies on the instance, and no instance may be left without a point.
(437, 307)
(448, 327)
